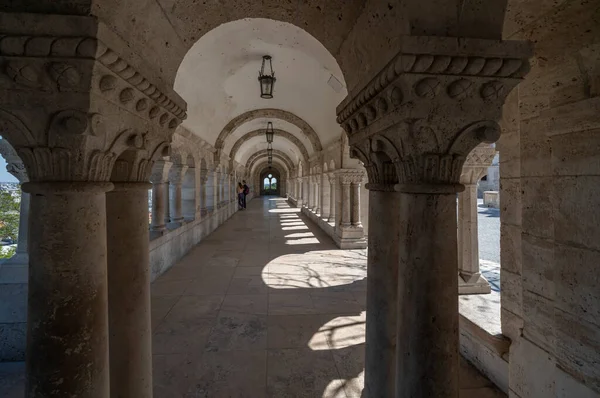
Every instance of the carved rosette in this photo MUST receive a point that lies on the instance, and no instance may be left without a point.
(414, 124)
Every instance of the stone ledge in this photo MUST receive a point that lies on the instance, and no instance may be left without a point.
(481, 338)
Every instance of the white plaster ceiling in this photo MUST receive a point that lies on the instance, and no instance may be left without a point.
(219, 77)
(261, 124)
(257, 144)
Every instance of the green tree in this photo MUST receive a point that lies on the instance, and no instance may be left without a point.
(9, 216)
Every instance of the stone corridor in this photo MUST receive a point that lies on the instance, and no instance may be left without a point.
(266, 306)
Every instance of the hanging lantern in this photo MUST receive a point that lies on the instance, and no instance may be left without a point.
(270, 132)
(266, 78)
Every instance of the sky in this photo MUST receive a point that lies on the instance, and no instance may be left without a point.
(5, 176)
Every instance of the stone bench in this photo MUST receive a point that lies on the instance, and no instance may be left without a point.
(491, 199)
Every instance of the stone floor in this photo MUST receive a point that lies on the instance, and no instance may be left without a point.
(266, 306)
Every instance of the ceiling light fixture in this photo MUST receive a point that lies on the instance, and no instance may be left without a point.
(266, 80)
(270, 133)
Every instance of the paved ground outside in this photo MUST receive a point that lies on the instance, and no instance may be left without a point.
(266, 306)
(489, 243)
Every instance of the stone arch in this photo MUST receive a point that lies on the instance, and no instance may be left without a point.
(276, 154)
(278, 133)
(263, 164)
(270, 113)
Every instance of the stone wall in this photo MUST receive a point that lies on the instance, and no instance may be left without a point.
(550, 168)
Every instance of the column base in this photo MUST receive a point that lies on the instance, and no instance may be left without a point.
(473, 284)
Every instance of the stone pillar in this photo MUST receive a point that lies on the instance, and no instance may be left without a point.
(423, 114)
(382, 291)
(167, 202)
(188, 194)
(332, 193)
(176, 175)
(356, 202)
(130, 327)
(346, 203)
(317, 179)
(159, 180)
(325, 194)
(67, 287)
(203, 191)
(470, 280)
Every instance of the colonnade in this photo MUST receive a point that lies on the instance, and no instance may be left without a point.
(332, 199)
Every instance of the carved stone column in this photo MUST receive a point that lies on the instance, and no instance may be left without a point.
(346, 201)
(325, 195)
(203, 191)
(79, 109)
(176, 175)
(470, 280)
(423, 113)
(159, 179)
(317, 185)
(356, 181)
(332, 199)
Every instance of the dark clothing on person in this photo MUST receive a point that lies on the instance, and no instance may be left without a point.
(246, 192)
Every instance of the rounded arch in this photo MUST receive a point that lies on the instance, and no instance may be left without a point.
(276, 154)
(262, 164)
(270, 113)
(278, 133)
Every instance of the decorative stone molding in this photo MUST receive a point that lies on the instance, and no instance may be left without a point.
(54, 64)
(272, 114)
(276, 154)
(476, 164)
(346, 176)
(160, 172)
(415, 123)
(278, 133)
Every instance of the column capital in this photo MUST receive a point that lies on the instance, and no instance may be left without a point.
(415, 123)
(176, 173)
(102, 119)
(349, 176)
(160, 171)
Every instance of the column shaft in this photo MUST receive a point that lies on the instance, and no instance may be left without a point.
(167, 202)
(468, 240)
(382, 287)
(427, 334)
(346, 204)
(130, 328)
(356, 205)
(332, 193)
(159, 205)
(176, 202)
(67, 341)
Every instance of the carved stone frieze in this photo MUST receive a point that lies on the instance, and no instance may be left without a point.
(349, 176)
(66, 64)
(414, 124)
(477, 163)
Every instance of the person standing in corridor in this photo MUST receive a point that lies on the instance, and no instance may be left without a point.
(246, 191)
(240, 192)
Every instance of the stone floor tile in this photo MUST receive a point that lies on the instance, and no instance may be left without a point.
(246, 303)
(181, 336)
(349, 362)
(161, 305)
(235, 331)
(229, 374)
(172, 376)
(299, 372)
(169, 287)
(195, 307)
(290, 304)
(335, 303)
(296, 331)
(248, 285)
